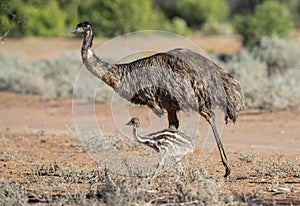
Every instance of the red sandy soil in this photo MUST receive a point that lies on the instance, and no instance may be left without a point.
(276, 132)
(33, 49)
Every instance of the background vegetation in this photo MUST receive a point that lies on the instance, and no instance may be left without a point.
(111, 18)
(269, 19)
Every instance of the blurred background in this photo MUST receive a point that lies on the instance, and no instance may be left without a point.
(262, 53)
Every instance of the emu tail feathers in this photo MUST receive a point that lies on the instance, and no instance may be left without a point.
(234, 97)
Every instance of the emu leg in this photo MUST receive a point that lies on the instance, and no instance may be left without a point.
(211, 119)
(161, 163)
(173, 120)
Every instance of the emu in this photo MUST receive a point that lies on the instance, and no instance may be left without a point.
(171, 81)
(169, 143)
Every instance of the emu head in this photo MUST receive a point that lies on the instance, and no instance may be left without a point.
(134, 121)
(83, 28)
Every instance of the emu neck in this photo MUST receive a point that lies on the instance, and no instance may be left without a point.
(137, 136)
(94, 64)
(86, 52)
(136, 133)
(144, 140)
(87, 42)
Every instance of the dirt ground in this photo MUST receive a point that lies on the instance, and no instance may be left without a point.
(35, 135)
(33, 49)
(38, 136)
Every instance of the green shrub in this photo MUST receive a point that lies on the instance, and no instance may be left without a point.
(178, 26)
(70, 9)
(48, 20)
(5, 13)
(269, 19)
(273, 19)
(197, 12)
(4, 25)
(216, 28)
(168, 7)
(247, 28)
(294, 8)
(118, 17)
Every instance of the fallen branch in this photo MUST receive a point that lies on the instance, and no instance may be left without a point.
(9, 29)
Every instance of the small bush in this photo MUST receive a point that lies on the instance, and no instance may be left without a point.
(216, 28)
(251, 74)
(48, 20)
(121, 16)
(269, 19)
(178, 26)
(265, 85)
(50, 78)
(280, 55)
(5, 16)
(197, 12)
(294, 8)
(4, 25)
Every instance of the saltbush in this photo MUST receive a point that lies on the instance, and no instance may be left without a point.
(251, 74)
(268, 85)
(51, 79)
(269, 19)
(280, 55)
(216, 28)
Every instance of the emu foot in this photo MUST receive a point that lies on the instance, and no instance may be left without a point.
(227, 172)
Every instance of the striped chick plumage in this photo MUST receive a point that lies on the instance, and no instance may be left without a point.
(171, 144)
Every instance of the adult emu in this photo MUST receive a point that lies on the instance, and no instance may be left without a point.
(179, 79)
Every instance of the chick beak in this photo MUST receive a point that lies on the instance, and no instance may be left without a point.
(129, 123)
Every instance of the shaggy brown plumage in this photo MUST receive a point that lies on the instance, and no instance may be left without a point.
(179, 79)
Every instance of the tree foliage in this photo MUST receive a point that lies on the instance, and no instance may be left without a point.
(115, 17)
(5, 16)
(294, 9)
(47, 20)
(121, 16)
(269, 19)
(197, 12)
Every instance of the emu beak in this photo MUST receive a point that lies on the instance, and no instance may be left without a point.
(129, 123)
(74, 31)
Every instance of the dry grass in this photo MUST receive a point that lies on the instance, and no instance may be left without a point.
(40, 168)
